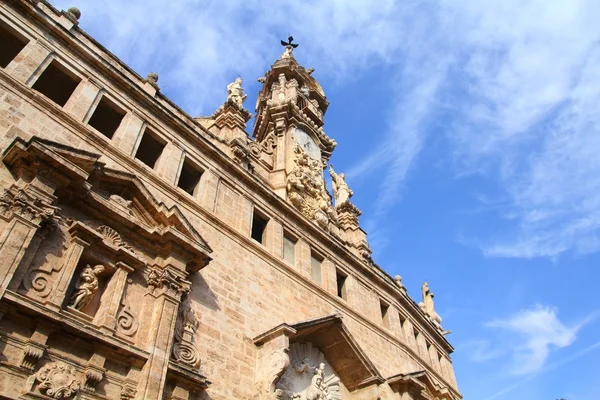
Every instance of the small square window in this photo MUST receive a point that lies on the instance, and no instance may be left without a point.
(289, 249)
(341, 284)
(150, 148)
(11, 44)
(106, 117)
(315, 268)
(259, 225)
(57, 83)
(189, 177)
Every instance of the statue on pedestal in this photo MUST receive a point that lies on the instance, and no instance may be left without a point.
(341, 191)
(235, 93)
(87, 285)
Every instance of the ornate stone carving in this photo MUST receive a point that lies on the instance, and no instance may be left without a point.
(38, 280)
(341, 191)
(309, 376)
(126, 322)
(31, 355)
(87, 285)
(113, 237)
(272, 369)
(306, 189)
(165, 279)
(58, 380)
(128, 391)
(235, 93)
(184, 350)
(93, 375)
(16, 201)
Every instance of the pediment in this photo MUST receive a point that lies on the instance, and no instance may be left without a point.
(421, 382)
(333, 339)
(115, 194)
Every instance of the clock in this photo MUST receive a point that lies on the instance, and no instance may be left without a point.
(308, 144)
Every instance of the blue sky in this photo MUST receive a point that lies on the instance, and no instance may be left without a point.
(469, 131)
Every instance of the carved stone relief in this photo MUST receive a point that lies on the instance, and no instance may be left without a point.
(306, 189)
(58, 380)
(164, 279)
(309, 376)
(113, 237)
(273, 367)
(126, 321)
(184, 349)
(15, 201)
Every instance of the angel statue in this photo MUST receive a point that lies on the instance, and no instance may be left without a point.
(87, 285)
(341, 191)
(235, 93)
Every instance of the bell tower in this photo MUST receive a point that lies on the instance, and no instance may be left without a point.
(289, 119)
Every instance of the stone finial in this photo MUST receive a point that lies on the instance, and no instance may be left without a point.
(74, 12)
(398, 280)
(235, 93)
(310, 70)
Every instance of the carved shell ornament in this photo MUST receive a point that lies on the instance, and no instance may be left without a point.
(309, 375)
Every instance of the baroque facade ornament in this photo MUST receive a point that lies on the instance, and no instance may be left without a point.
(87, 285)
(113, 237)
(341, 191)
(306, 189)
(184, 349)
(58, 380)
(235, 93)
(309, 376)
(164, 279)
(127, 322)
(274, 366)
(16, 201)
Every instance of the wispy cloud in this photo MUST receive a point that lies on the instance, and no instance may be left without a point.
(531, 335)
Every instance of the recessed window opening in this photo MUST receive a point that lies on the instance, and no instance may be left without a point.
(402, 322)
(11, 44)
(341, 284)
(259, 225)
(315, 267)
(189, 177)
(289, 249)
(57, 83)
(106, 117)
(384, 307)
(150, 149)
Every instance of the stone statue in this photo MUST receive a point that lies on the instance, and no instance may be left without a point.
(428, 306)
(341, 191)
(235, 93)
(87, 285)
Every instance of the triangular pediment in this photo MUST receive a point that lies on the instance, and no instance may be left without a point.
(332, 338)
(421, 382)
(118, 194)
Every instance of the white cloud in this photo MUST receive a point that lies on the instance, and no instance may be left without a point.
(531, 335)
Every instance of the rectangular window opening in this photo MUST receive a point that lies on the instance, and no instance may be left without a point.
(259, 225)
(289, 249)
(11, 44)
(189, 178)
(150, 149)
(402, 322)
(385, 319)
(315, 267)
(341, 284)
(57, 83)
(106, 117)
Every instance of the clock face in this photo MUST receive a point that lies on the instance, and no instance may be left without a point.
(306, 142)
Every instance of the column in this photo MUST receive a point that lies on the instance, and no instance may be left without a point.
(76, 248)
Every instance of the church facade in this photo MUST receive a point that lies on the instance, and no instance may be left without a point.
(148, 254)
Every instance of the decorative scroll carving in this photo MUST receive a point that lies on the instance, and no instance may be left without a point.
(306, 189)
(31, 355)
(87, 285)
(309, 376)
(58, 380)
(16, 201)
(113, 237)
(184, 350)
(165, 279)
(126, 322)
(38, 280)
(272, 369)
